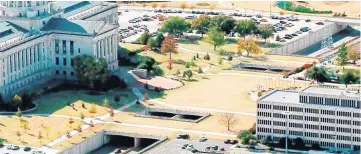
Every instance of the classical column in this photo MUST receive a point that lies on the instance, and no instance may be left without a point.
(103, 48)
(115, 38)
(106, 48)
(95, 49)
(98, 49)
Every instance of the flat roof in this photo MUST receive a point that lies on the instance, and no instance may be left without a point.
(282, 96)
(331, 91)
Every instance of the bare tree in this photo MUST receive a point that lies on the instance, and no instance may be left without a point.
(228, 120)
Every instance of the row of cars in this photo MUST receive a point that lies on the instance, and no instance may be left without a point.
(293, 35)
(143, 18)
(25, 149)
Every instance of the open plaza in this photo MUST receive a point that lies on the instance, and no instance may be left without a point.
(178, 77)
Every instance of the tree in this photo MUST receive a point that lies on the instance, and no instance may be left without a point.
(316, 146)
(187, 65)
(245, 136)
(151, 43)
(215, 37)
(88, 69)
(17, 101)
(154, 5)
(18, 113)
(191, 7)
(143, 39)
(353, 55)
(207, 57)
(249, 45)
(25, 126)
(18, 134)
(161, 18)
(229, 58)
(299, 144)
(318, 73)
(169, 45)
(220, 60)
(342, 56)
(183, 6)
(146, 63)
(199, 70)
(223, 23)
(175, 25)
(177, 72)
(111, 112)
(144, 5)
(266, 31)
(163, 5)
(228, 120)
(81, 115)
(159, 39)
(245, 27)
(26, 100)
(348, 78)
(40, 135)
(188, 74)
(2, 141)
(282, 143)
(201, 23)
(266, 140)
(106, 103)
(2, 102)
(79, 128)
(93, 109)
(170, 65)
(253, 129)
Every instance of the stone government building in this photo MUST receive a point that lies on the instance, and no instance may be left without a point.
(39, 38)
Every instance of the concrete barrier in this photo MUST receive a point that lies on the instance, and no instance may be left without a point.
(25, 111)
(311, 38)
(90, 144)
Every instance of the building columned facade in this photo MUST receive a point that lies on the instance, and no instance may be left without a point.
(38, 39)
(324, 115)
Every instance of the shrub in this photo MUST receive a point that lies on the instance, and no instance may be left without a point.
(146, 86)
(344, 14)
(177, 72)
(197, 55)
(187, 65)
(143, 39)
(252, 142)
(278, 38)
(221, 51)
(179, 61)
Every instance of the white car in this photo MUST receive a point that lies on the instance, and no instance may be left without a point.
(202, 139)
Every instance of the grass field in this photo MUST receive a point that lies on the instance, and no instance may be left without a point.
(222, 92)
(56, 103)
(49, 127)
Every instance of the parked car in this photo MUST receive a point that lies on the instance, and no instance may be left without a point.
(308, 20)
(263, 20)
(202, 139)
(274, 17)
(215, 147)
(182, 136)
(227, 141)
(283, 22)
(294, 34)
(194, 150)
(233, 142)
(38, 152)
(259, 16)
(221, 149)
(179, 11)
(282, 40)
(281, 18)
(207, 148)
(27, 149)
(287, 36)
(320, 23)
(298, 32)
(190, 17)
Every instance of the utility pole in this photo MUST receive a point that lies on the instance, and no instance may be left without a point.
(270, 10)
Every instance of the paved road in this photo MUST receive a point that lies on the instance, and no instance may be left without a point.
(4, 150)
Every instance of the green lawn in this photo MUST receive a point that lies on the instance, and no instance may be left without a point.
(55, 102)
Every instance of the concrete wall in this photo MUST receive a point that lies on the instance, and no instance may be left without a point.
(88, 145)
(313, 37)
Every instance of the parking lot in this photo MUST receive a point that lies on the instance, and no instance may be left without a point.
(175, 146)
(4, 150)
(292, 29)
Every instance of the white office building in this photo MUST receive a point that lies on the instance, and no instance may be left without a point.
(325, 115)
(39, 38)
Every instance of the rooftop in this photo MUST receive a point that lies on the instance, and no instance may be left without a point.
(331, 91)
(282, 96)
(9, 30)
(76, 26)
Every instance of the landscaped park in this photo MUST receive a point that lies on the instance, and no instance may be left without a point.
(206, 66)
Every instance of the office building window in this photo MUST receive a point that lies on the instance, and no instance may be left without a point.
(72, 47)
(64, 47)
(56, 46)
(57, 61)
(64, 61)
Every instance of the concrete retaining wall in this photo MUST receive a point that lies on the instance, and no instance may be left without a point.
(88, 145)
(311, 38)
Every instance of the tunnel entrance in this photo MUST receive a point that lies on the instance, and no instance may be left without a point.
(179, 115)
(191, 117)
(162, 114)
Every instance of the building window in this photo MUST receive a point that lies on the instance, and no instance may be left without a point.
(78, 50)
(64, 47)
(64, 61)
(57, 61)
(57, 72)
(56, 46)
(71, 47)
(72, 73)
(64, 73)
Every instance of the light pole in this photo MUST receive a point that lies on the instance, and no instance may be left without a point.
(287, 113)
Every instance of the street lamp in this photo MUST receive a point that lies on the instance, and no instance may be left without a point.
(287, 113)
